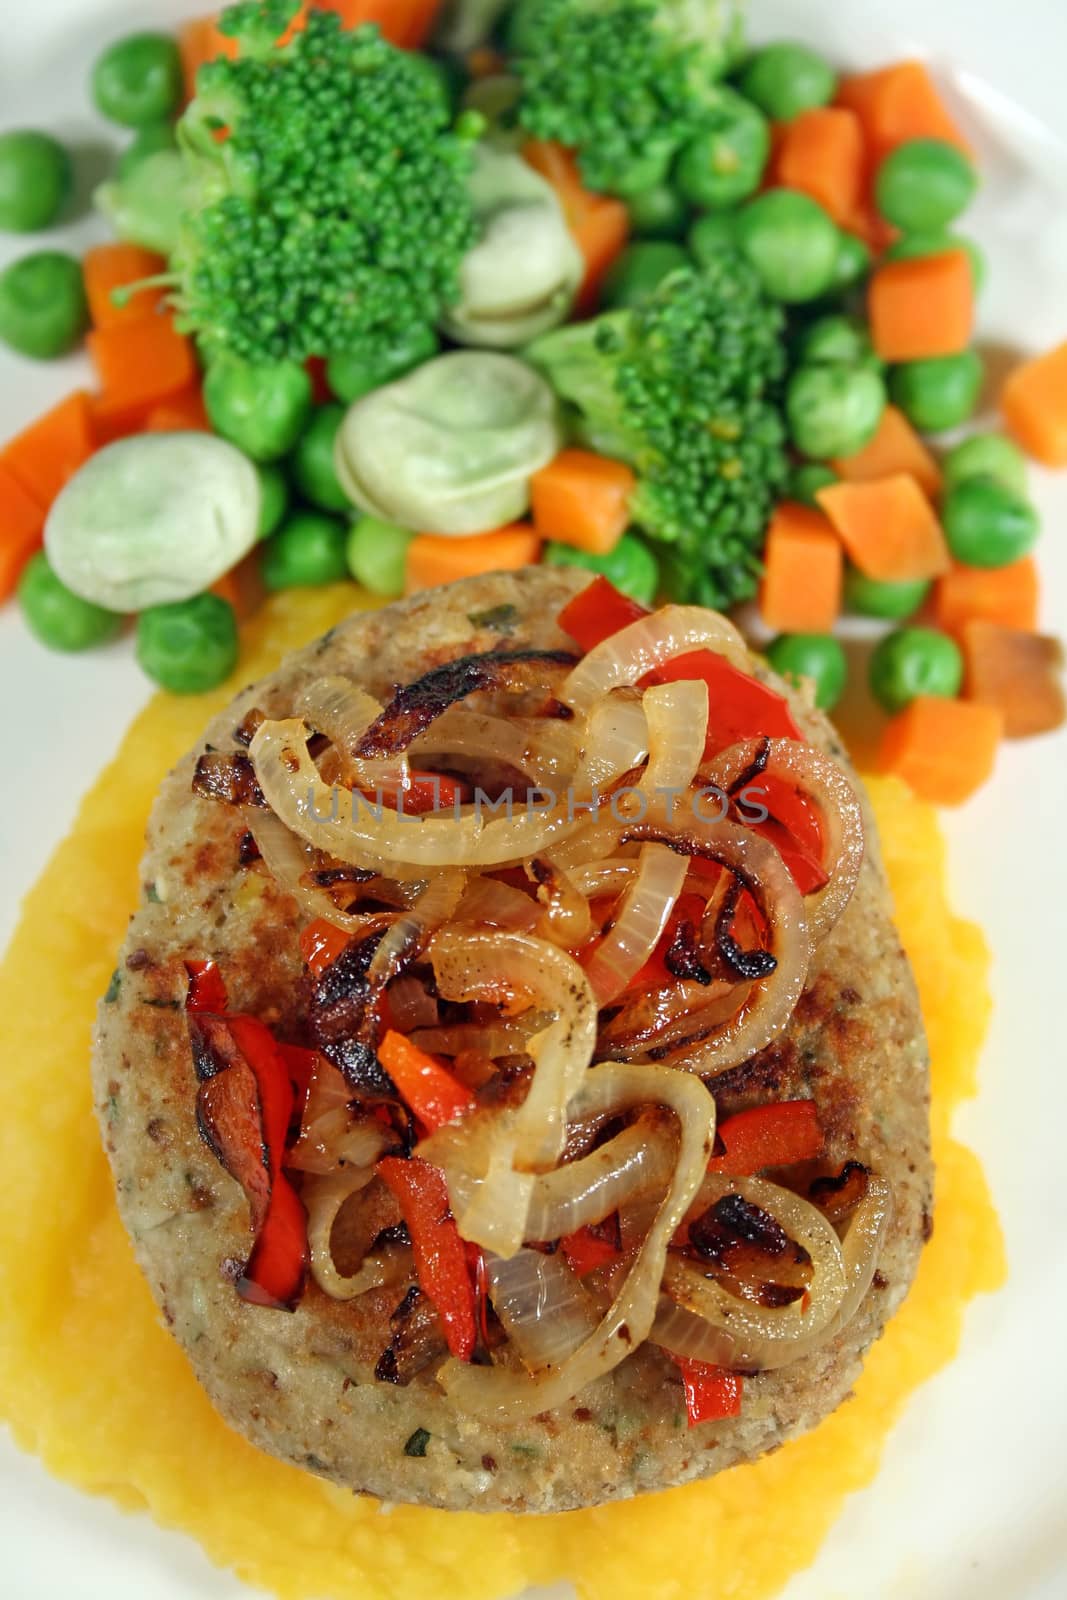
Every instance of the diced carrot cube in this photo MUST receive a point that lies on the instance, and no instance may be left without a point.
(22, 521)
(898, 103)
(112, 266)
(242, 587)
(944, 749)
(433, 559)
(803, 572)
(888, 527)
(1034, 403)
(141, 363)
(821, 153)
(895, 448)
(49, 452)
(582, 499)
(184, 413)
(405, 23)
(600, 226)
(922, 307)
(1006, 595)
(1019, 674)
(199, 42)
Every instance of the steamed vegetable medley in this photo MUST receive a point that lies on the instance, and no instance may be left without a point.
(402, 293)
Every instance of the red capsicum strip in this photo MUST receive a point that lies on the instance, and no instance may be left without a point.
(768, 1136)
(586, 1250)
(739, 707)
(598, 612)
(207, 991)
(244, 1106)
(440, 1255)
(427, 1088)
(655, 974)
(300, 1063)
(321, 943)
(711, 1393)
(424, 791)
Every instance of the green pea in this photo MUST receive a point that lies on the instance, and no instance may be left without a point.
(787, 78)
(631, 566)
(835, 340)
(190, 646)
(939, 393)
(138, 79)
(35, 180)
(874, 597)
(924, 185)
(725, 161)
(61, 619)
(987, 524)
(792, 244)
(912, 246)
(43, 310)
(834, 410)
(818, 656)
(853, 263)
(307, 550)
(353, 374)
(273, 497)
(312, 464)
(712, 233)
(806, 481)
(658, 213)
(915, 661)
(148, 141)
(263, 410)
(377, 554)
(639, 271)
(987, 455)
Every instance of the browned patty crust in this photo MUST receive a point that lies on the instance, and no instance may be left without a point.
(301, 1385)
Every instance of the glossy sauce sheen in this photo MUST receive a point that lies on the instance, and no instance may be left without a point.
(91, 1381)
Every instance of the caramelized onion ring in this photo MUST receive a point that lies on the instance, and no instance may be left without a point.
(650, 642)
(331, 819)
(771, 1000)
(817, 776)
(642, 916)
(766, 1336)
(614, 1087)
(542, 1305)
(677, 716)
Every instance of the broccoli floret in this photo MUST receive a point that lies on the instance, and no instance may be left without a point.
(686, 387)
(624, 82)
(332, 215)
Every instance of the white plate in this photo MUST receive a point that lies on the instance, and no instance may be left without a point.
(969, 1499)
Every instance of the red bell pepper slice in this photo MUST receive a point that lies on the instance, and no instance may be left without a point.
(244, 1106)
(739, 706)
(794, 827)
(207, 991)
(776, 1135)
(711, 1393)
(426, 1087)
(587, 1249)
(440, 1254)
(321, 943)
(424, 791)
(598, 612)
(300, 1063)
(655, 974)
